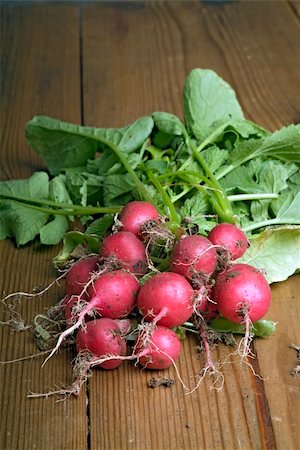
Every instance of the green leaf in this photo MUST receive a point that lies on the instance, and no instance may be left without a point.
(209, 101)
(194, 207)
(53, 232)
(17, 220)
(273, 175)
(64, 145)
(71, 241)
(283, 144)
(291, 212)
(60, 144)
(214, 157)
(276, 251)
(195, 211)
(261, 328)
(58, 191)
(246, 129)
(239, 180)
(168, 123)
(100, 226)
(84, 188)
(156, 165)
(115, 187)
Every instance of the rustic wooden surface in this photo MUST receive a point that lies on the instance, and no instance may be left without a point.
(106, 64)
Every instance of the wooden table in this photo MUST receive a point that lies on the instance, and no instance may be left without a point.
(106, 64)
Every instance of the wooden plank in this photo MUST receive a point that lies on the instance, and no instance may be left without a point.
(40, 70)
(139, 69)
(276, 360)
(262, 54)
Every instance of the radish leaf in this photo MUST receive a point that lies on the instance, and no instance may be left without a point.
(276, 251)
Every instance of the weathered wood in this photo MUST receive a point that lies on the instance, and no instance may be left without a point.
(276, 360)
(40, 70)
(133, 59)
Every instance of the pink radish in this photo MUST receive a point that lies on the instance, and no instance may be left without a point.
(242, 292)
(135, 214)
(204, 306)
(128, 249)
(159, 349)
(166, 299)
(230, 238)
(103, 339)
(79, 275)
(243, 296)
(124, 325)
(194, 257)
(113, 293)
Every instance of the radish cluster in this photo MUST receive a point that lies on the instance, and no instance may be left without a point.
(121, 306)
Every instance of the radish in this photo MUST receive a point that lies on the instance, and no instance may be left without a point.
(243, 295)
(204, 306)
(158, 349)
(242, 292)
(103, 339)
(231, 238)
(124, 325)
(128, 249)
(114, 293)
(166, 299)
(136, 214)
(79, 274)
(194, 257)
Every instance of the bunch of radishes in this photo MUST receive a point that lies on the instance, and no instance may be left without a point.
(120, 293)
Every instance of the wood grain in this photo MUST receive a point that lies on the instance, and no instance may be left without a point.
(276, 360)
(107, 64)
(40, 64)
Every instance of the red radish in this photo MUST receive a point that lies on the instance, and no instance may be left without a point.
(243, 296)
(230, 237)
(114, 293)
(135, 214)
(166, 299)
(79, 275)
(124, 325)
(102, 338)
(128, 249)
(194, 257)
(207, 309)
(158, 349)
(242, 293)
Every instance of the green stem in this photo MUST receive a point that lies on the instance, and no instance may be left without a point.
(181, 173)
(177, 197)
(173, 214)
(242, 197)
(210, 138)
(266, 223)
(72, 209)
(64, 212)
(140, 186)
(224, 207)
